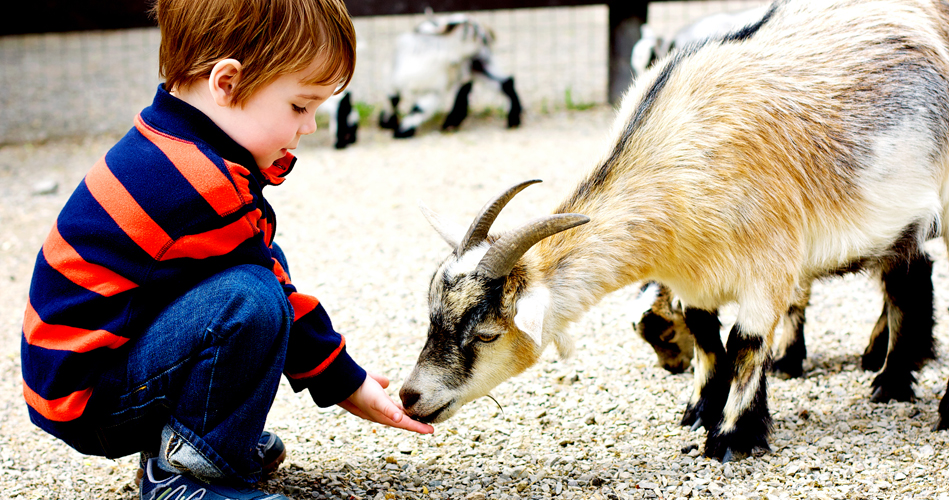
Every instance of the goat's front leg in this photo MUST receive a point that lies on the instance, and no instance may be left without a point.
(791, 350)
(711, 374)
(745, 422)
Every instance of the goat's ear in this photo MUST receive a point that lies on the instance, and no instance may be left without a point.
(531, 310)
(451, 233)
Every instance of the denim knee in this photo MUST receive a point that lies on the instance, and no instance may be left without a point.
(251, 303)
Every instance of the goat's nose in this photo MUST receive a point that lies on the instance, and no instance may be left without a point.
(409, 397)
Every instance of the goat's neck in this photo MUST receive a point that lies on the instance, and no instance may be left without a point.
(618, 247)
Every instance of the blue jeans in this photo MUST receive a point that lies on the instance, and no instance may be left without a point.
(205, 372)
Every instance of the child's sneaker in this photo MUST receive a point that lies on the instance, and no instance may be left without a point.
(270, 448)
(272, 452)
(160, 484)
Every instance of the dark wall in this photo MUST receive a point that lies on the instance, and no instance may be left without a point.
(390, 7)
(46, 16)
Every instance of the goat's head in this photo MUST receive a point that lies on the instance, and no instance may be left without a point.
(663, 327)
(486, 311)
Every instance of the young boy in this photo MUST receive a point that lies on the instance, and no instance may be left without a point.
(161, 314)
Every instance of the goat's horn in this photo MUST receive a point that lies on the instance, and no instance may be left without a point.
(504, 253)
(481, 224)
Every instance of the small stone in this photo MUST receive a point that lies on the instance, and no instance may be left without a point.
(45, 187)
(590, 420)
(716, 489)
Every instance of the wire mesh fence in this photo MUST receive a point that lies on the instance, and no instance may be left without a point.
(71, 84)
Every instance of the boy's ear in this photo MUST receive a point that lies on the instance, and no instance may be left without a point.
(224, 77)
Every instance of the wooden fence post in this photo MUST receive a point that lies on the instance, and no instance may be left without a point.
(626, 17)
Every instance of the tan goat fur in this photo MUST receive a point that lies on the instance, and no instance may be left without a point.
(741, 170)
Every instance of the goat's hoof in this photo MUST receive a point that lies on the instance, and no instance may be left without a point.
(391, 122)
(698, 424)
(872, 362)
(786, 369)
(690, 416)
(404, 134)
(884, 395)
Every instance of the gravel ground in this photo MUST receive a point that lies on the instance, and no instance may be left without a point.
(603, 424)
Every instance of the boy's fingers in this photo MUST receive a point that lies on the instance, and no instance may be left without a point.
(381, 379)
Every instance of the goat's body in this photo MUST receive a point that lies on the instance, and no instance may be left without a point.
(810, 143)
(748, 166)
(771, 155)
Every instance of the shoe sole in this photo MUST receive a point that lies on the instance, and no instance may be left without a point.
(265, 471)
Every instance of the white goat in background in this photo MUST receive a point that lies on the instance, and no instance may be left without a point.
(436, 62)
(812, 142)
(651, 46)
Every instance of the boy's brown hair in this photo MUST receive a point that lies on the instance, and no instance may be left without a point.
(270, 38)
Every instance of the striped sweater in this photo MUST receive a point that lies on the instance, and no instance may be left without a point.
(173, 202)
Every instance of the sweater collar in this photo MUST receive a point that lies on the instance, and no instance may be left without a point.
(180, 119)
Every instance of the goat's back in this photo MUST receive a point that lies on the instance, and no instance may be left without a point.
(811, 140)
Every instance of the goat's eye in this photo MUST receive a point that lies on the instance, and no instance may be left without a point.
(485, 337)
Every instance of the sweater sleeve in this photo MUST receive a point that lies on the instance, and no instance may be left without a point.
(316, 355)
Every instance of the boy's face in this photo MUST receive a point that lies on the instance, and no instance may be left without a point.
(274, 118)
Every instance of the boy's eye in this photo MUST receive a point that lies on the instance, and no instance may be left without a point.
(298, 109)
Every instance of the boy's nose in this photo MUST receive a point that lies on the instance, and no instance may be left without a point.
(309, 126)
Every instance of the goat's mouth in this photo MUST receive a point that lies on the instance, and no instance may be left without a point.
(433, 417)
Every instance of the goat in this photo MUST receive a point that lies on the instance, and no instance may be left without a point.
(650, 46)
(813, 142)
(344, 119)
(440, 58)
(662, 326)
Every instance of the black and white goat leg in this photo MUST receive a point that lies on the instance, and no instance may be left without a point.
(875, 354)
(425, 107)
(791, 350)
(744, 424)
(745, 419)
(459, 111)
(346, 122)
(390, 120)
(711, 374)
(909, 305)
(483, 66)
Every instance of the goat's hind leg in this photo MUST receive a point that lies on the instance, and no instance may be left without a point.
(390, 120)
(909, 306)
(459, 111)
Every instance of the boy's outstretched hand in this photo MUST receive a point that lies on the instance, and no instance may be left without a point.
(372, 403)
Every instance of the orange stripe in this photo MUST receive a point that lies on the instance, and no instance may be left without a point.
(201, 173)
(282, 275)
(322, 366)
(302, 304)
(58, 410)
(62, 257)
(125, 211)
(65, 338)
(220, 241)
